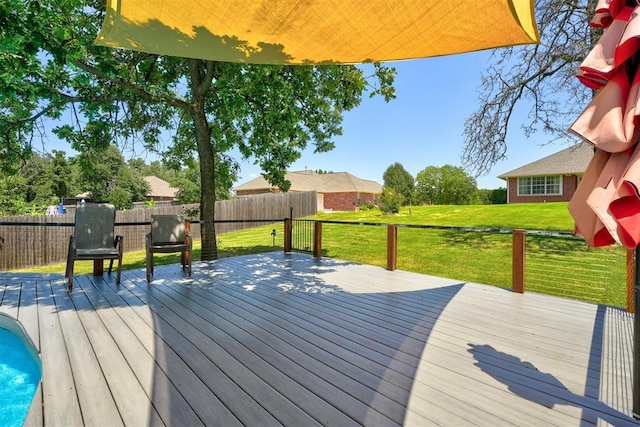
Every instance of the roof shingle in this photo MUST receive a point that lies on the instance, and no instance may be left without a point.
(570, 161)
(308, 180)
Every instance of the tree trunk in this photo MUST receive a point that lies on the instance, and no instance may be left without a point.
(201, 75)
(208, 189)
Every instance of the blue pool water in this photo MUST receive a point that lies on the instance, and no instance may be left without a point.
(20, 372)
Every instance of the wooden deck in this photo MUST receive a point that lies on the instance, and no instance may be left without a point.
(279, 339)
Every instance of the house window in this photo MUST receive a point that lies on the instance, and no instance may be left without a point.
(539, 186)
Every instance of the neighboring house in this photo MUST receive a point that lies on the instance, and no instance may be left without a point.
(339, 191)
(551, 179)
(160, 190)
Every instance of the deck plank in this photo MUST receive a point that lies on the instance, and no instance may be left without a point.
(160, 392)
(28, 317)
(96, 401)
(133, 403)
(59, 393)
(276, 339)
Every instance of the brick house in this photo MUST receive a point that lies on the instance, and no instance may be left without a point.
(160, 190)
(338, 191)
(551, 179)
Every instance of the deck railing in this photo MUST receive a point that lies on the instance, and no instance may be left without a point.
(552, 263)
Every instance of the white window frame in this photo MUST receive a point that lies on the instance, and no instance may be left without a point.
(539, 185)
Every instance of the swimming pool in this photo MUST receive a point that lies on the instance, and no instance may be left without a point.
(20, 372)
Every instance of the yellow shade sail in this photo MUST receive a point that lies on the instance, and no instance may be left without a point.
(315, 31)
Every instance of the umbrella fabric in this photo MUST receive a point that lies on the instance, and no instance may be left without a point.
(626, 204)
(315, 32)
(606, 205)
(616, 45)
(588, 222)
(609, 121)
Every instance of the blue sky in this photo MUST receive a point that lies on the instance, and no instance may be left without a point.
(422, 127)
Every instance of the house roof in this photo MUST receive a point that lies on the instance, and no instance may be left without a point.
(570, 161)
(333, 182)
(160, 188)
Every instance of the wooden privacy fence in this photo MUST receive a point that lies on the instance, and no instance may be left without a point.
(27, 241)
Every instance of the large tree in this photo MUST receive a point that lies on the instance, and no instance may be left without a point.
(49, 66)
(107, 177)
(538, 77)
(446, 185)
(397, 178)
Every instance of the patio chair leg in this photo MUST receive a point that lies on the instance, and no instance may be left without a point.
(119, 275)
(149, 265)
(70, 277)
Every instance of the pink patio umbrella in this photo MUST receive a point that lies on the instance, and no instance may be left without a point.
(606, 205)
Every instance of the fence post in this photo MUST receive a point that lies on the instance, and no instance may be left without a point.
(518, 261)
(288, 234)
(392, 247)
(317, 239)
(636, 339)
(631, 280)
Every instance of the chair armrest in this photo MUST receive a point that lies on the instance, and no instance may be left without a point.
(118, 241)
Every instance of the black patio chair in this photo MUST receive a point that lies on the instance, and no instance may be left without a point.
(169, 233)
(93, 239)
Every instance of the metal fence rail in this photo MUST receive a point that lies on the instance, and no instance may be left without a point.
(302, 235)
(577, 271)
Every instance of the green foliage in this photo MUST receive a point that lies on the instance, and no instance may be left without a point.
(446, 185)
(191, 212)
(120, 198)
(484, 196)
(367, 205)
(498, 196)
(12, 194)
(106, 176)
(40, 181)
(390, 201)
(397, 178)
(50, 65)
(62, 182)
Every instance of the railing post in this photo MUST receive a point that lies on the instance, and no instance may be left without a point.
(392, 247)
(317, 239)
(288, 234)
(518, 261)
(631, 280)
(636, 339)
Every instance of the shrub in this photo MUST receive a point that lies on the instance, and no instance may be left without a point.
(390, 201)
(367, 206)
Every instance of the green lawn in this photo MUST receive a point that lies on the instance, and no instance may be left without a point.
(529, 216)
(469, 256)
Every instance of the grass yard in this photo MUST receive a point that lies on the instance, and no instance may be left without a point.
(529, 216)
